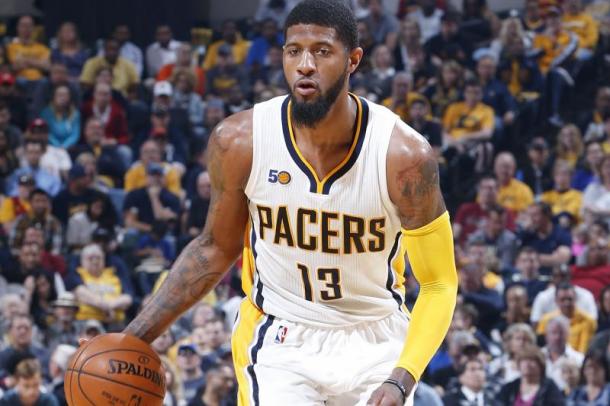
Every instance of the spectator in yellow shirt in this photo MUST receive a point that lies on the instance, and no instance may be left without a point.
(468, 126)
(563, 199)
(150, 152)
(584, 26)
(124, 73)
(512, 193)
(30, 59)
(555, 48)
(231, 37)
(582, 325)
(14, 206)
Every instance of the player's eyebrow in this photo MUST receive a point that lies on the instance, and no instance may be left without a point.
(317, 43)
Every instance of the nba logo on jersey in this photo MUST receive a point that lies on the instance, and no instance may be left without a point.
(280, 336)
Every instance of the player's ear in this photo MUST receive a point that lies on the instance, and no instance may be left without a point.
(355, 56)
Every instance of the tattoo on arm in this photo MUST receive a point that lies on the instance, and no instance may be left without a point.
(421, 199)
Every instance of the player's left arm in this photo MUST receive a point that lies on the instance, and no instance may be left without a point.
(413, 183)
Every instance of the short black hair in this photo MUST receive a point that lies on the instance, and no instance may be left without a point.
(564, 286)
(39, 191)
(326, 13)
(472, 82)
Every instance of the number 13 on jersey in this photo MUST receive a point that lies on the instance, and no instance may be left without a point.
(330, 278)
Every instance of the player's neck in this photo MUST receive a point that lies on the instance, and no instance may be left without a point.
(335, 129)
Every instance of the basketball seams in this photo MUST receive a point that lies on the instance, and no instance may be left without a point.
(82, 351)
(82, 392)
(118, 382)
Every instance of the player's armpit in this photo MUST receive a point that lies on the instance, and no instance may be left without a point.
(204, 261)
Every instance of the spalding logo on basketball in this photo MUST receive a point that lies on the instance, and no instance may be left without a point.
(115, 370)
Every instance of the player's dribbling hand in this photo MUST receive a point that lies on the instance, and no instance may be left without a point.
(386, 395)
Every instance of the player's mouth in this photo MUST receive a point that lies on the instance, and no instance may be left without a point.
(306, 87)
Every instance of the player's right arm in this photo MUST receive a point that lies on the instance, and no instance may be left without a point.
(205, 260)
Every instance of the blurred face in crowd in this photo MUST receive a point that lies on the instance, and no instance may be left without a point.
(401, 85)
(486, 68)
(93, 262)
(473, 376)
(528, 264)
(566, 301)
(602, 100)
(594, 155)
(562, 177)
(471, 277)
(573, 6)
(530, 370)
(229, 31)
(594, 372)
(514, 46)
(553, 23)
(473, 95)
(516, 298)
(21, 332)
(154, 180)
(382, 57)
(570, 373)
(67, 33)
(409, 29)
(29, 389)
(540, 221)
(121, 34)
(214, 334)
(213, 115)
(605, 301)
(504, 167)
(102, 95)
(494, 224)
(64, 314)
(163, 342)
(183, 55)
(604, 169)
(25, 28)
(58, 73)
(532, 10)
(12, 304)
(23, 191)
(448, 28)
(518, 340)
(150, 152)
(163, 35)
(111, 50)
(487, 191)
(61, 97)
(94, 132)
(5, 117)
(597, 252)
(418, 111)
(202, 313)
(274, 56)
(221, 380)
(269, 30)
(364, 34)
(556, 336)
(375, 7)
(204, 188)
(33, 153)
(104, 75)
(34, 235)
(188, 361)
(29, 256)
(40, 204)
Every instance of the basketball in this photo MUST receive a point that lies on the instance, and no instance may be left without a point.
(115, 369)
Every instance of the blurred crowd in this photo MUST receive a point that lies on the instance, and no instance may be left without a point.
(103, 181)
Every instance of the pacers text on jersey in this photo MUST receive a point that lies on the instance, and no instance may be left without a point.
(337, 232)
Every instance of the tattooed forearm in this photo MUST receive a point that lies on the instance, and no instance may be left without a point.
(190, 278)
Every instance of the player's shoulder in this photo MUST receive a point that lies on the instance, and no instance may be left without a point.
(408, 147)
(234, 132)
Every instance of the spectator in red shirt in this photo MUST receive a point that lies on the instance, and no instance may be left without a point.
(109, 112)
(595, 274)
(470, 216)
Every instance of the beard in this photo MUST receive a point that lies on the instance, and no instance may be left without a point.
(310, 113)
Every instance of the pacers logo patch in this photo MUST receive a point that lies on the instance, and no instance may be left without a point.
(284, 177)
(280, 336)
(281, 177)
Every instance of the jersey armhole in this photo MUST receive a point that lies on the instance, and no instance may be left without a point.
(382, 154)
(252, 177)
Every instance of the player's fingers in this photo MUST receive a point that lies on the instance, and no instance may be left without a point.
(82, 341)
(375, 398)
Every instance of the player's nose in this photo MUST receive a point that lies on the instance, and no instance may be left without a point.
(307, 64)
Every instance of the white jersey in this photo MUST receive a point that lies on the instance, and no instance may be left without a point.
(324, 252)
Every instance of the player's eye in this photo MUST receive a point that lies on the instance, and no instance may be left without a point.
(292, 51)
(323, 51)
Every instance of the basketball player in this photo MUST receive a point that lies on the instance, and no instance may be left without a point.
(329, 190)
